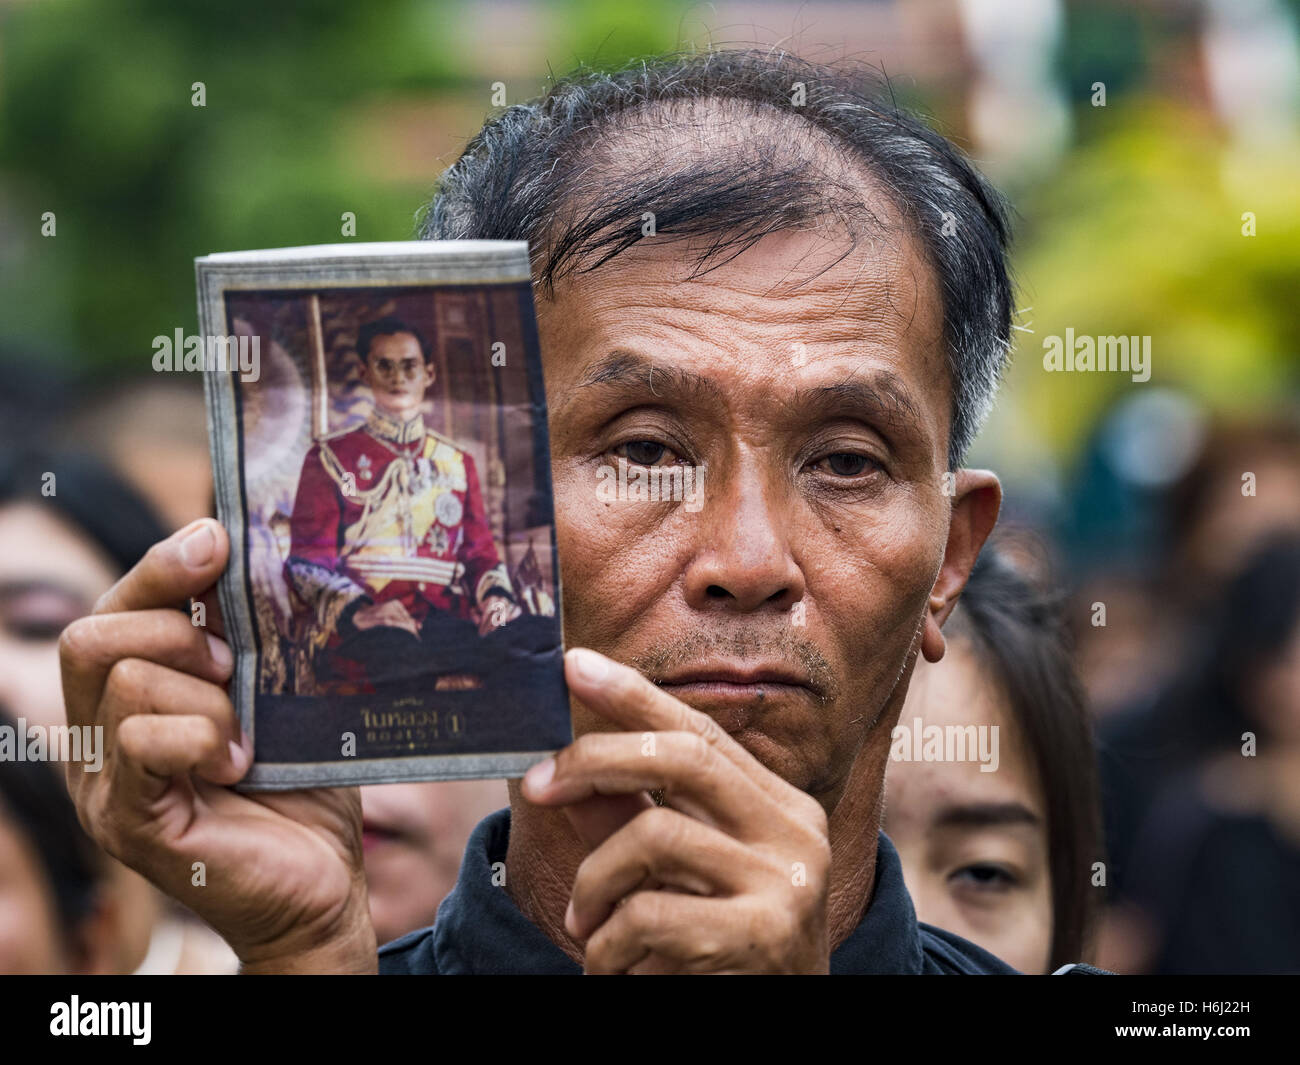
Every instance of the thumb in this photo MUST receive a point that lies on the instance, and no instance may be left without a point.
(186, 564)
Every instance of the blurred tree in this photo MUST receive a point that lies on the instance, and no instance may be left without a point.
(98, 125)
(1141, 234)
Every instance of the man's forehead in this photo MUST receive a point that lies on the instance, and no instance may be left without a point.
(805, 282)
(801, 312)
(395, 344)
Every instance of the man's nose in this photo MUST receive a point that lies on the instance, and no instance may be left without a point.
(742, 558)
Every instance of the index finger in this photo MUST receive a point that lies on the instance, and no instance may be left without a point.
(622, 695)
(186, 564)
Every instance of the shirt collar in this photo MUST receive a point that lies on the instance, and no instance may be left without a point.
(480, 930)
(386, 427)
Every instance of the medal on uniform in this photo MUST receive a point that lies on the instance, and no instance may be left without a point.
(424, 474)
(447, 509)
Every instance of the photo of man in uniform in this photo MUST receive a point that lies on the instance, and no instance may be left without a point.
(392, 556)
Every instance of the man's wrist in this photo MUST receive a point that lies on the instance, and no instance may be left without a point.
(352, 951)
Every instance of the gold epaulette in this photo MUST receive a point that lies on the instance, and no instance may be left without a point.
(444, 440)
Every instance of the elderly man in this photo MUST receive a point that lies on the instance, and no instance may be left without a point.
(744, 263)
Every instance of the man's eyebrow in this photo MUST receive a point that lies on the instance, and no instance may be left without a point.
(983, 814)
(627, 369)
(884, 397)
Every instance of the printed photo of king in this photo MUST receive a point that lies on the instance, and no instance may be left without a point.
(392, 557)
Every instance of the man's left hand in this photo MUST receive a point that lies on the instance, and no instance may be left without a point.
(731, 874)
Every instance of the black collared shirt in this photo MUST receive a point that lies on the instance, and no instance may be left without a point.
(480, 930)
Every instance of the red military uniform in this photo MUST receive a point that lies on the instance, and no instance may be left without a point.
(390, 511)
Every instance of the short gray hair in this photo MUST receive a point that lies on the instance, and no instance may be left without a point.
(535, 172)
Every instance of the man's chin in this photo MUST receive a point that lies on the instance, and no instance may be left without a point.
(401, 411)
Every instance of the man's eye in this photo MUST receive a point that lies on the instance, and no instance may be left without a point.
(848, 464)
(985, 877)
(643, 452)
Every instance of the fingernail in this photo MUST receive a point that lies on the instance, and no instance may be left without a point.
(239, 758)
(220, 652)
(590, 666)
(540, 775)
(570, 922)
(198, 548)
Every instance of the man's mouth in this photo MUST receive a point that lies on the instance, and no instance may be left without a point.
(734, 694)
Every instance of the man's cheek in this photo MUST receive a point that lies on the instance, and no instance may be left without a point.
(875, 598)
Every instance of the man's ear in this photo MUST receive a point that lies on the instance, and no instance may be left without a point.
(976, 501)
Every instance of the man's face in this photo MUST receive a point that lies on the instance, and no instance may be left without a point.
(785, 605)
(397, 374)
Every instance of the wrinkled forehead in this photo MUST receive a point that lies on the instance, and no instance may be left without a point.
(799, 314)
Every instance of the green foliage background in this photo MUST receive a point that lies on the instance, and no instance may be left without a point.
(1138, 231)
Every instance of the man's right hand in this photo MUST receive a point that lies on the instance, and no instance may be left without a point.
(390, 612)
(281, 877)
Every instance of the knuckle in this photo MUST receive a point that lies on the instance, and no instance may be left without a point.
(658, 827)
(160, 558)
(642, 911)
(705, 727)
(770, 931)
(596, 954)
(813, 814)
(128, 679)
(695, 751)
(705, 951)
(635, 690)
(78, 641)
(572, 758)
(586, 878)
(208, 738)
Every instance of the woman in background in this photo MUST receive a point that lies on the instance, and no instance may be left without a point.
(69, 528)
(1002, 850)
(53, 917)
